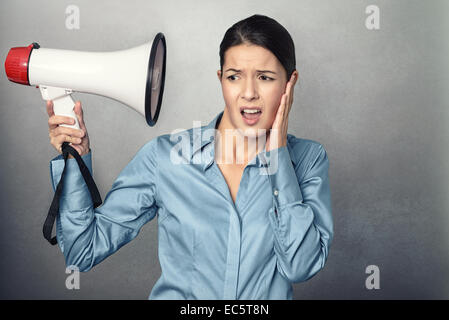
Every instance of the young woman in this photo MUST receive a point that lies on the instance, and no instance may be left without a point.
(232, 224)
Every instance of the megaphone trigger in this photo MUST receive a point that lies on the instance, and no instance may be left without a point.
(63, 103)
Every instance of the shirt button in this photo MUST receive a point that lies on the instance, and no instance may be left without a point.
(276, 192)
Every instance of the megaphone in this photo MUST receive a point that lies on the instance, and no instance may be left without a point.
(134, 77)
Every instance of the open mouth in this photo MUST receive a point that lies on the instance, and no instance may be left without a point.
(250, 115)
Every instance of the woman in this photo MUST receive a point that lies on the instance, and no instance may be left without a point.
(232, 224)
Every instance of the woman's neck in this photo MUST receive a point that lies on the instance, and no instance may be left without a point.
(232, 147)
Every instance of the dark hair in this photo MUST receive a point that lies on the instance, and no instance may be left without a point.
(265, 32)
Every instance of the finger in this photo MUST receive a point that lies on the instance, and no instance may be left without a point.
(78, 110)
(79, 148)
(65, 138)
(292, 87)
(50, 110)
(56, 120)
(283, 102)
(293, 78)
(280, 112)
(79, 114)
(78, 133)
(290, 98)
(290, 92)
(284, 109)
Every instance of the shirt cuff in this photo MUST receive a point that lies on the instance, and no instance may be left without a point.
(282, 175)
(74, 188)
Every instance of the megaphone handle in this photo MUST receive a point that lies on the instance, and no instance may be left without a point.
(64, 106)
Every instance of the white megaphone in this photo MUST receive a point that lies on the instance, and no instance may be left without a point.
(133, 76)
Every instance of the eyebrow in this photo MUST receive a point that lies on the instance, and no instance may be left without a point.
(261, 71)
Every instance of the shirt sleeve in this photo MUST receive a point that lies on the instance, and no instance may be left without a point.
(86, 235)
(301, 216)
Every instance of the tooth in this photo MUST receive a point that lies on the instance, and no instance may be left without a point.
(251, 111)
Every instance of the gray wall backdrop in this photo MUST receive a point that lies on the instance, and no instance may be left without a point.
(376, 99)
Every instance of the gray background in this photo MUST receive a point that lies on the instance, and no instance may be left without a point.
(377, 100)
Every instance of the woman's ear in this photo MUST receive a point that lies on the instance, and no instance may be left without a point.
(219, 75)
(295, 74)
(293, 79)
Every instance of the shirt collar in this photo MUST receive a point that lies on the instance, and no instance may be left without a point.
(200, 139)
(203, 139)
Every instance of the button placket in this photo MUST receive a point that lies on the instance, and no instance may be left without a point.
(233, 256)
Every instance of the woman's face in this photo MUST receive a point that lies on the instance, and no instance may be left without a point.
(253, 80)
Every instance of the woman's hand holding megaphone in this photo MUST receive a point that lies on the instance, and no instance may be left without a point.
(78, 138)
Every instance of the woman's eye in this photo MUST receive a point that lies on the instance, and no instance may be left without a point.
(264, 78)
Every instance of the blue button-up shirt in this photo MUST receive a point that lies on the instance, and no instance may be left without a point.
(277, 232)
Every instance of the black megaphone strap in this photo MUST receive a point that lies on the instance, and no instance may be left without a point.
(54, 208)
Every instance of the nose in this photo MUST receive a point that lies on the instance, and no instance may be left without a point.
(249, 90)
